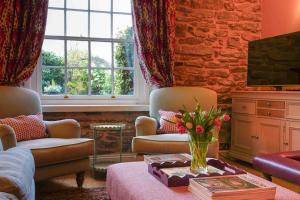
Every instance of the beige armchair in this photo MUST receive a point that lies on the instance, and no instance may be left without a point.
(64, 152)
(170, 99)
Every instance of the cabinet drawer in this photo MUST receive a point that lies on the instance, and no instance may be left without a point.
(270, 104)
(270, 113)
(243, 106)
(293, 110)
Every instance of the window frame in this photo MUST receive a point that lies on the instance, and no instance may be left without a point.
(140, 89)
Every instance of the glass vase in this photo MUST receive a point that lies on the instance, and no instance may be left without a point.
(198, 151)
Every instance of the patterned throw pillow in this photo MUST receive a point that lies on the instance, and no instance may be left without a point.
(165, 126)
(27, 127)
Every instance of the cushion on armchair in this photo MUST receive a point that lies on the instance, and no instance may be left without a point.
(165, 126)
(27, 127)
(51, 151)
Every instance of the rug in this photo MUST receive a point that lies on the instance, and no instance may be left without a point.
(74, 194)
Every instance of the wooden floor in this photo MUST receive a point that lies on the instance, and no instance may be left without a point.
(69, 181)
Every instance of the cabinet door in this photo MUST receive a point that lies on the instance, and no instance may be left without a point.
(270, 134)
(292, 136)
(243, 133)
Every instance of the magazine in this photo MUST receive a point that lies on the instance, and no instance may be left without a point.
(232, 187)
(167, 158)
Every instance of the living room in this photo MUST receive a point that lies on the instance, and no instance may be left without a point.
(100, 77)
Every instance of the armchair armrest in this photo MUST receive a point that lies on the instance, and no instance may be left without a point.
(7, 137)
(67, 128)
(145, 126)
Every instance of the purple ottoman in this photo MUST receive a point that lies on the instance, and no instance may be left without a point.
(131, 181)
(285, 165)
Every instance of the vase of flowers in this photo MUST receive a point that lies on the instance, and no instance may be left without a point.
(200, 125)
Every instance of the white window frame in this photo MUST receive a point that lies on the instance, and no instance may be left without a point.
(141, 90)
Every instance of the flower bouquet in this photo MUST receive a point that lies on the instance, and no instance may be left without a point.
(200, 126)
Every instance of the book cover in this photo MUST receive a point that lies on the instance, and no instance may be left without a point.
(230, 184)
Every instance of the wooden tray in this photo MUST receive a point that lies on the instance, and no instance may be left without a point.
(183, 180)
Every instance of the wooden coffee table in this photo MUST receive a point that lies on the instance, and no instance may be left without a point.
(131, 181)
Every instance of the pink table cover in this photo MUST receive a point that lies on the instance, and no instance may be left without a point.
(131, 181)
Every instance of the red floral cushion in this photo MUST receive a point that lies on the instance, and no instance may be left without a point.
(27, 127)
(165, 126)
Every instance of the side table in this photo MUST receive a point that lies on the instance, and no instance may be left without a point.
(98, 130)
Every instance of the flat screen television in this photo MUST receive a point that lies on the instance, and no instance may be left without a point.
(274, 61)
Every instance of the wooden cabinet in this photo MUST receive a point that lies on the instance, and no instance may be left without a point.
(243, 133)
(269, 135)
(264, 122)
(292, 136)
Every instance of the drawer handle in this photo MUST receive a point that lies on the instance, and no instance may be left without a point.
(286, 143)
(269, 114)
(269, 104)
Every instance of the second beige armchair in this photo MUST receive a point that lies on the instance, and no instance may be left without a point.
(147, 141)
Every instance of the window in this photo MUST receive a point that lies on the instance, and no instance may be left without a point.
(88, 50)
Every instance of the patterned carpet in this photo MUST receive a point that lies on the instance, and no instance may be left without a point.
(74, 194)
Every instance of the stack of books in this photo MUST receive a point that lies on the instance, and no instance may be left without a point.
(234, 187)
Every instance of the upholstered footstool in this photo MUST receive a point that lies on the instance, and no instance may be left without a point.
(285, 165)
(131, 181)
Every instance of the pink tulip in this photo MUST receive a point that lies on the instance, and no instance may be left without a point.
(199, 129)
(217, 122)
(226, 118)
(181, 129)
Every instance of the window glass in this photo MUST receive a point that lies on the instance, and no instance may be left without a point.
(100, 5)
(77, 4)
(54, 26)
(56, 3)
(122, 6)
(90, 53)
(77, 23)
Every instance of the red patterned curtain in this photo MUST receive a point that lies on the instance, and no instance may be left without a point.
(22, 28)
(154, 23)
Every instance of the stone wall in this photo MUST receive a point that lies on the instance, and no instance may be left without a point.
(212, 46)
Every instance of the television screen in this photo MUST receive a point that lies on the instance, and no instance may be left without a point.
(274, 61)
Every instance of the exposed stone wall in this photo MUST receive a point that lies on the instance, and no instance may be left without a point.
(212, 45)
(109, 142)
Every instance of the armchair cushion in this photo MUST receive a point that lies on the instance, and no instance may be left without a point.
(27, 127)
(165, 126)
(47, 151)
(164, 143)
(168, 143)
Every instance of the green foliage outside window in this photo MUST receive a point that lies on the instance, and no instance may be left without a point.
(124, 58)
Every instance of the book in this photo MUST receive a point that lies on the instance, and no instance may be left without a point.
(171, 158)
(232, 187)
(183, 171)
